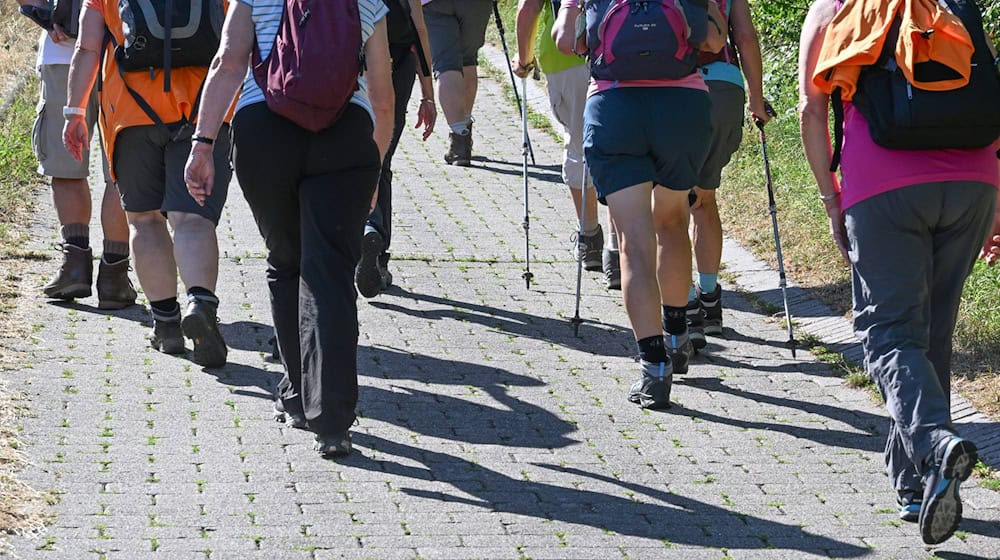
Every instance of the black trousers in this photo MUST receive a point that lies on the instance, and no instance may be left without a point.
(310, 194)
(404, 69)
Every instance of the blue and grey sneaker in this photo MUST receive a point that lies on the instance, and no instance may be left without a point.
(696, 324)
(652, 389)
(681, 350)
(711, 305)
(909, 504)
(953, 460)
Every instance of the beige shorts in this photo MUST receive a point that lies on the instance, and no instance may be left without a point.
(47, 134)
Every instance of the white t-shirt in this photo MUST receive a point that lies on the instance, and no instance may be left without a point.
(266, 16)
(51, 52)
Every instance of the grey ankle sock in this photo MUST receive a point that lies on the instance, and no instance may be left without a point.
(76, 234)
(115, 251)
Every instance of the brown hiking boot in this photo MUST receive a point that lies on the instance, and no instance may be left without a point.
(460, 152)
(114, 288)
(74, 276)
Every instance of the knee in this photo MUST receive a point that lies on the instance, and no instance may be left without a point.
(189, 222)
(671, 220)
(145, 221)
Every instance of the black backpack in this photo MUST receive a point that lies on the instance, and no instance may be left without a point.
(168, 34)
(903, 117)
(398, 23)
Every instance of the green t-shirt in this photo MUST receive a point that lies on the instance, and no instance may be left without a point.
(549, 57)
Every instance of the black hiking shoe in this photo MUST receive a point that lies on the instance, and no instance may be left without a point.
(167, 337)
(591, 247)
(291, 419)
(711, 304)
(941, 511)
(201, 324)
(333, 445)
(681, 351)
(696, 324)
(612, 265)
(74, 276)
(652, 389)
(114, 288)
(368, 275)
(460, 151)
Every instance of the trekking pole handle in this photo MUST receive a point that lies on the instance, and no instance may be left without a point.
(770, 112)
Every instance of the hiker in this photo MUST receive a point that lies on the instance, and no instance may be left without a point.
(566, 78)
(70, 188)
(457, 30)
(407, 32)
(909, 219)
(644, 160)
(311, 182)
(724, 74)
(147, 135)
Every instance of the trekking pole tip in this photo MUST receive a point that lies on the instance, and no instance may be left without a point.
(576, 321)
(528, 276)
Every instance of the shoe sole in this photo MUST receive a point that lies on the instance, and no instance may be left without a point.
(593, 266)
(114, 304)
(461, 162)
(615, 284)
(658, 397)
(73, 291)
(714, 330)
(942, 513)
(172, 347)
(331, 451)
(368, 278)
(209, 348)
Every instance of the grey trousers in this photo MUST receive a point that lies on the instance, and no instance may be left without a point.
(911, 251)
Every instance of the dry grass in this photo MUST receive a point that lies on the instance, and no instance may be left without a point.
(19, 41)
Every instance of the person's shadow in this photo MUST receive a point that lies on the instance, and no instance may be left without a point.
(636, 510)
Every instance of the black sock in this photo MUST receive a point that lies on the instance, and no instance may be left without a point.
(166, 309)
(674, 319)
(203, 294)
(651, 349)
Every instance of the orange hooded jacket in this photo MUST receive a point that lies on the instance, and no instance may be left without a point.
(856, 35)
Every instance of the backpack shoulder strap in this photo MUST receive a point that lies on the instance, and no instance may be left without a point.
(838, 128)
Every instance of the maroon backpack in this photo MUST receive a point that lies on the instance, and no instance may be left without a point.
(313, 68)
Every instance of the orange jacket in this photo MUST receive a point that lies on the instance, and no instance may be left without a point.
(855, 37)
(119, 110)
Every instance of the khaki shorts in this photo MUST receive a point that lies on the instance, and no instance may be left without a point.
(47, 135)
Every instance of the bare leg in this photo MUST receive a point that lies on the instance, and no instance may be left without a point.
(113, 220)
(631, 208)
(153, 251)
(707, 232)
(673, 266)
(196, 250)
(71, 198)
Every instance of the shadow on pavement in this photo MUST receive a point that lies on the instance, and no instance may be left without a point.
(675, 518)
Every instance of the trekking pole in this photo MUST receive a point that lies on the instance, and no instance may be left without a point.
(510, 69)
(576, 320)
(782, 280)
(525, 150)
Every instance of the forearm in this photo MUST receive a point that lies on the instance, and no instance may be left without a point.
(220, 89)
(526, 26)
(82, 74)
(816, 145)
(426, 87)
(752, 65)
(417, 11)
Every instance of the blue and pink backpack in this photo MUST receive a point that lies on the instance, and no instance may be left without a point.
(644, 39)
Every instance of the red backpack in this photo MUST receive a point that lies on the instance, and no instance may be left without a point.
(312, 70)
(727, 53)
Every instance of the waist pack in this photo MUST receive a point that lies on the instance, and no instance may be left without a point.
(66, 13)
(644, 39)
(168, 34)
(901, 116)
(312, 70)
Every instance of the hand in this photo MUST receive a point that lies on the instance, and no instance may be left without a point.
(76, 136)
(564, 30)
(838, 230)
(761, 110)
(199, 173)
(522, 70)
(58, 34)
(426, 117)
(991, 249)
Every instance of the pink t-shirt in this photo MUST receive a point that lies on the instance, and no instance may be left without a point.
(868, 169)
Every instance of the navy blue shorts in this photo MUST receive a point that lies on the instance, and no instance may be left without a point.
(635, 135)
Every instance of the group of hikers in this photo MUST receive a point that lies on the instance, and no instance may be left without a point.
(651, 97)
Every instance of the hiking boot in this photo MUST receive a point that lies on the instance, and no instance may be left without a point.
(681, 351)
(201, 324)
(460, 152)
(368, 275)
(295, 420)
(941, 512)
(114, 288)
(591, 247)
(696, 324)
(75, 274)
(612, 265)
(167, 337)
(652, 389)
(909, 504)
(711, 304)
(334, 445)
